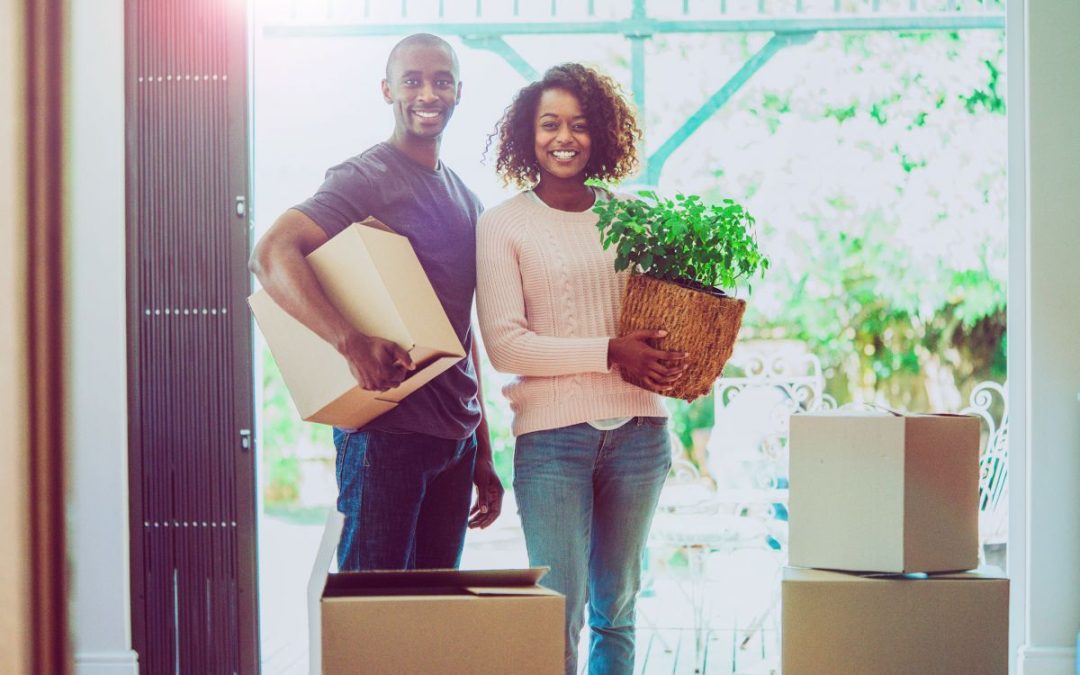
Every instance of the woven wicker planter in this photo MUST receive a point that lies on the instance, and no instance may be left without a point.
(701, 324)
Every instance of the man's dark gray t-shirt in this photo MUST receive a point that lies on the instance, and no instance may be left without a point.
(437, 213)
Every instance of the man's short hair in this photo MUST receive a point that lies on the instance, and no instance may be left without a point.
(420, 40)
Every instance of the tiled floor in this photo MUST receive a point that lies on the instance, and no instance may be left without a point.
(737, 588)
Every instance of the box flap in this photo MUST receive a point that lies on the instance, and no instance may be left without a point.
(940, 414)
(814, 574)
(510, 590)
(391, 582)
(986, 573)
(353, 409)
(851, 412)
(875, 411)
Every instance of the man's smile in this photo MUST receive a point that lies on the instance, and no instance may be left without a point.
(428, 114)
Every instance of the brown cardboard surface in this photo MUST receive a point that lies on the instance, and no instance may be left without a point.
(839, 623)
(450, 635)
(353, 265)
(374, 279)
(440, 621)
(941, 495)
(879, 492)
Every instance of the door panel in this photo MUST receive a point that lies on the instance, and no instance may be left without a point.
(191, 459)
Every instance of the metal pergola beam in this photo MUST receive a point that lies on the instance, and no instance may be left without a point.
(656, 160)
(499, 46)
(645, 27)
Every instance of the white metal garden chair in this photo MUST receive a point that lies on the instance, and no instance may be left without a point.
(990, 403)
(741, 501)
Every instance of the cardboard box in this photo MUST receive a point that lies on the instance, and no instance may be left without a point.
(431, 621)
(839, 623)
(372, 276)
(875, 491)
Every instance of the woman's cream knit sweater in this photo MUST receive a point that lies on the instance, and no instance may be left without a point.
(548, 301)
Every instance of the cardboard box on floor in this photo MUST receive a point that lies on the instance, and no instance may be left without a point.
(452, 622)
(876, 491)
(839, 622)
(372, 276)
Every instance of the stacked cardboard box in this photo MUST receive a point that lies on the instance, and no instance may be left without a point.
(883, 523)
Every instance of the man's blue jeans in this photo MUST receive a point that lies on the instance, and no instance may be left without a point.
(405, 498)
(586, 499)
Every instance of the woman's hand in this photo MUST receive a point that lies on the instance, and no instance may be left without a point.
(633, 355)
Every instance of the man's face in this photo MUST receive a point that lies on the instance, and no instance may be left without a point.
(423, 89)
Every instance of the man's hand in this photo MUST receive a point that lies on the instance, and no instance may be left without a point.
(377, 364)
(658, 368)
(489, 494)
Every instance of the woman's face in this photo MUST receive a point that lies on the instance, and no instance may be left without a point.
(561, 133)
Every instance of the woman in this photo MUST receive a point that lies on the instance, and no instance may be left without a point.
(592, 451)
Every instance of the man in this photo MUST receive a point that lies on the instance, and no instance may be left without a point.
(405, 478)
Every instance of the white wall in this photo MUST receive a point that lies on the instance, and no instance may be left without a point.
(97, 358)
(1052, 574)
(1015, 36)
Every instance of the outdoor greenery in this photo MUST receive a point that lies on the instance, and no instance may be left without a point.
(286, 441)
(874, 165)
(682, 240)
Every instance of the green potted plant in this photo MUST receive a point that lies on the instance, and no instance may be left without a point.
(687, 259)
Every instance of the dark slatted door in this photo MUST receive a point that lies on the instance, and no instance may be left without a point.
(193, 562)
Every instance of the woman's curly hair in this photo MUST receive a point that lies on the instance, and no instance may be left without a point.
(613, 127)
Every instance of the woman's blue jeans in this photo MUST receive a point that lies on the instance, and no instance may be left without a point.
(586, 499)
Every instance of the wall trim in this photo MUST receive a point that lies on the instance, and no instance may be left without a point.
(1018, 324)
(107, 663)
(1048, 661)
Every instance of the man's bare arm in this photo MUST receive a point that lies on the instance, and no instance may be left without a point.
(278, 261)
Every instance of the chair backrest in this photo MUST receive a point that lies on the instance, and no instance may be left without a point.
(763, 384)
(989, 402)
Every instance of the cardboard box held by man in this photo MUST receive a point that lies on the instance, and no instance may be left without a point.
(395, 302)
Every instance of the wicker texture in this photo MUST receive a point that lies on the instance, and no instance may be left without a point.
(703, 325)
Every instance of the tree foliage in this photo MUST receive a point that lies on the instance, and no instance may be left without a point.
(875, 165)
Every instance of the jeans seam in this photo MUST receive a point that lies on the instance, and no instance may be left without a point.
(601, 452)
(343, 453)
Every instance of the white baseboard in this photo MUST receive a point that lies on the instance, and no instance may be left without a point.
(107, 663)
(1048, 661)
